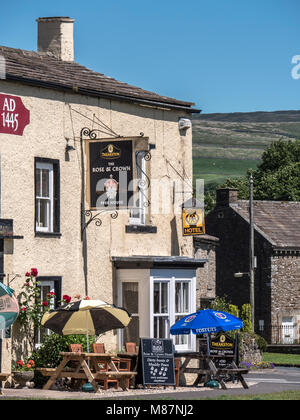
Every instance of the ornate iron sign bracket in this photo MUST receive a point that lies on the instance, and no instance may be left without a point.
(94, 218)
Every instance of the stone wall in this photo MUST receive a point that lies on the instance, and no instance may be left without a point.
(285, 295)
(206, 277)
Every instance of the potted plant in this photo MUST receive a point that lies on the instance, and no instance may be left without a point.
(23, 372)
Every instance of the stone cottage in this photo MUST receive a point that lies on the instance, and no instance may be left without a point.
(93, 175)
(277, 261)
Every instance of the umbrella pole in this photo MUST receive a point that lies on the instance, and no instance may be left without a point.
(87, 333)
(207, 342)
(87, 337)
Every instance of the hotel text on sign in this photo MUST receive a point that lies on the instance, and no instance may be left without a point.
(13, 115)
(193, 222)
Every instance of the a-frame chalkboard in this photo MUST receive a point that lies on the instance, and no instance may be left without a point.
(155, 362)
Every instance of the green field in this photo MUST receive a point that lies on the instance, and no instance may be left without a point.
(282, 359)
(216, 171)
(227, 145)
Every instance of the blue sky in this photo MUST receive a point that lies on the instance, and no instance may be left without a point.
(224, 55)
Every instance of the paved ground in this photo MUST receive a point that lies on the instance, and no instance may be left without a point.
(260, 382)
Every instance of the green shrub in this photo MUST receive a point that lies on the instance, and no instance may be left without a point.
(246, 317)
(233, 310)
(48, 354)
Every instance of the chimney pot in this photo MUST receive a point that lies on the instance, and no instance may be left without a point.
(55, 36)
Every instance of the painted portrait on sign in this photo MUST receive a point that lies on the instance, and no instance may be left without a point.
(111, 173)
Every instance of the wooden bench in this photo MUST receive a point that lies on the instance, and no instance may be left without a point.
(123, 377)
(238, 372)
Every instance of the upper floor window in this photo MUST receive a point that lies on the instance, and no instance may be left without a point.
(46, 196)
(138, 213)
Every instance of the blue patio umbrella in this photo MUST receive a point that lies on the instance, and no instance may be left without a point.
(206, 321)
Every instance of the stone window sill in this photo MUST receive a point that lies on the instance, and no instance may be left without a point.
(47, 234)
(140, 229)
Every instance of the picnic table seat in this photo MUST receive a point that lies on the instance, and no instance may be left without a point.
(3, 377)
(235, 372)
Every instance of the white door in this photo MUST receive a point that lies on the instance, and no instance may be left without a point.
(288, 330)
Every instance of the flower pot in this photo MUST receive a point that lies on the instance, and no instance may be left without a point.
(22, 377)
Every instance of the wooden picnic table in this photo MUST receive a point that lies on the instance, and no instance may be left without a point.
(3, 377)
(207, 368)
(88, 367)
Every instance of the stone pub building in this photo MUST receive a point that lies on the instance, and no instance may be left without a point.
(66, 134)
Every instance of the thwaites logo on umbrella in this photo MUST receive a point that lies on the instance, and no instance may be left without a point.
(14, 117)
(193, 222)
(110, 174)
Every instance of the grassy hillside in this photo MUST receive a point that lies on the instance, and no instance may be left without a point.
(227, 145)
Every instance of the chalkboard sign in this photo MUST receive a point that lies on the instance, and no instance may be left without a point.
(156, 362)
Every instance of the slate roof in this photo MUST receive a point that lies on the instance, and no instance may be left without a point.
(43, 69)
(278, 222)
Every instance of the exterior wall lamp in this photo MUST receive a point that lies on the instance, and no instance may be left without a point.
(68, 147)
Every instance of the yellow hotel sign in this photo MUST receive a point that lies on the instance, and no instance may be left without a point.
(193, 222)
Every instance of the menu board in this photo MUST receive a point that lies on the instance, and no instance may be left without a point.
(156, 362)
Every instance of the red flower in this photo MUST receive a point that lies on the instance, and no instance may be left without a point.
(51, 294)
(45, 303)
(67, 298)
(27, 274)
(34, 272)
(28, 366)
(23, 309)
(31, 362)
(27, 284)
(20, 363)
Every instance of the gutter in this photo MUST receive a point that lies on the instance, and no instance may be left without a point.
(88, 92)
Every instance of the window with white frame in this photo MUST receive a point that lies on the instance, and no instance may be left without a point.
(173, 297)
(161, 309)
(47, 288)
(138, 213)
(47, 196)
(44, 197)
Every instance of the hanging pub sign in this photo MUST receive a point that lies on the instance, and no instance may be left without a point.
(110, 173)
(14, 117)
(193, 221)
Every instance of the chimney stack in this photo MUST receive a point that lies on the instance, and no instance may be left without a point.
(226, 196)
(55, 35)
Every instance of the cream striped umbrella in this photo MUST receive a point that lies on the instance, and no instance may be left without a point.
(90, 317)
